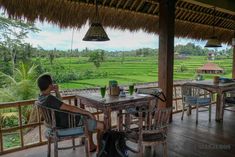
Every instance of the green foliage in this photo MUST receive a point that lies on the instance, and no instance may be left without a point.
(11, 140)
(12, 44)
(191, 49)
(182, 68)
(61, 75)
(97, 57)
(8, 117)
(21, 86)
(90, 74)
(40, 69)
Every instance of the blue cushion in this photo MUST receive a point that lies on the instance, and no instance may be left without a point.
(190, 99)
(131, 110)
(203, 101)
(71, 132)
(66, 132)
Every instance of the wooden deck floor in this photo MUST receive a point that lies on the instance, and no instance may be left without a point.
(185, 139)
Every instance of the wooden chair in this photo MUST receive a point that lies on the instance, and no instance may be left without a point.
(193, 96)
(229, 100)
(149, 130)
(55, 134)
(156, 92)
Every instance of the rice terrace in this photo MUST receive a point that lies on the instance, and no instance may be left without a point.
(132, 70)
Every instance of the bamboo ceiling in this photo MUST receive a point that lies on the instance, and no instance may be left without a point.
(192, 21)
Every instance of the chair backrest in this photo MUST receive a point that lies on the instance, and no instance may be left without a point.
(155, 120)
(156, 92)
(49, 116)
(194, 91)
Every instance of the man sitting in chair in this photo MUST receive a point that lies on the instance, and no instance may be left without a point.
(45, 98)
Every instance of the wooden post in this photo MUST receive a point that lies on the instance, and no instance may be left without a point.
(166, 50)
(233, 68)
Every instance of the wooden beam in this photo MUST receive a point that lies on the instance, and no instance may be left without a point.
(119, 2)
(111, 2)
(227, 6)
(154, 13)
(166, 49)
(133, 4)
(233, 68)
(151, 1)
(150, 9)
(104, 2)
(137, 9)
(155, 10)
(207, 15)
(124, 7)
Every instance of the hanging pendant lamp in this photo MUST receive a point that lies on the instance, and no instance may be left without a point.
(213, 40)
(96, 31)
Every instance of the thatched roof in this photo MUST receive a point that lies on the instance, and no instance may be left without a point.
(210, 67)
(192, 20)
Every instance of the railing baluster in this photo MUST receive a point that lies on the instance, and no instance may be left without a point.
(1, 139)
(176, 102)
(20, 126)
(39, 127)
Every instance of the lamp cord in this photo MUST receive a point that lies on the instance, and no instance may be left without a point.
(97, 18)
(71, 48)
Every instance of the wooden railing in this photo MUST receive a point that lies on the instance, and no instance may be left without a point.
(19, 121)
(16, 124)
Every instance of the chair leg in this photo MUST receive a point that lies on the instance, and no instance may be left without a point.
(86, 148)
(49, 147)
(141, 153)
(55, 148)
(164, 149)
(189, 111)
(83, 140)
(182, 116)
(209, 112)
(196, 114)
(152, 150)
(73, 142)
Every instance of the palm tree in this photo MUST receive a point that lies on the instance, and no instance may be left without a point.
(20, 87)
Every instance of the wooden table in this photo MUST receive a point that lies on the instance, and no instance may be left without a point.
(113, 103)
(218, 88)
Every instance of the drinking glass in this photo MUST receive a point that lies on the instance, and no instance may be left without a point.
(103, 91)
(131, 89)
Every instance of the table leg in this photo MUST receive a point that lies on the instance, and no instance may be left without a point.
(219, 107)
(189, 110)
(107, 119)
(120, 120)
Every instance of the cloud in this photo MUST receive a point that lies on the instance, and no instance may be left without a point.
(51, 37)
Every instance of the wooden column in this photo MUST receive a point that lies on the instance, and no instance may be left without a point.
(233, 68)
(166, 49)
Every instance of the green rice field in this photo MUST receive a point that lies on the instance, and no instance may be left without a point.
(133, 70)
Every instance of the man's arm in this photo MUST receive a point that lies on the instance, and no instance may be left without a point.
(71, 108)
(75, 109)
(57, 92)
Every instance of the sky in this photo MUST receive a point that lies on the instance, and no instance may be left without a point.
(51, 36)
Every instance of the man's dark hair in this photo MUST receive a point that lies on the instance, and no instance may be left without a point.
(44, 81)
